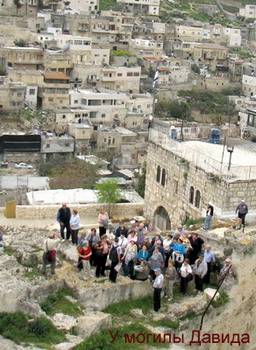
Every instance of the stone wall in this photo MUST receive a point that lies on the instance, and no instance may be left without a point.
(50, 212)
(180, 176)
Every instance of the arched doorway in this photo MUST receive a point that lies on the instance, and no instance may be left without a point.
(161, 219)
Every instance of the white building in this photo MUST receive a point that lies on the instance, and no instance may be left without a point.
(150, 7)
(104, 106)
(249, 85)
(248, 12)
(31, 96)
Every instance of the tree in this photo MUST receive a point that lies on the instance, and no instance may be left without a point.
(69, 173)
(108, 192)
(141, 181)
(17, 4)
(195, 68)
(20, 42)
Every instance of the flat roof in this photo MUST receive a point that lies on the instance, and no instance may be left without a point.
(56, 75)
(208, 156)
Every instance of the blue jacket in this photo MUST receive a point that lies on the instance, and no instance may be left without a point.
(179, 248)
(142, 255)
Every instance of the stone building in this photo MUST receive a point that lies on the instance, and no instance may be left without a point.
(183, 176)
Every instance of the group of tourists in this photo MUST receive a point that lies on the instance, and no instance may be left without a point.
(135, 252)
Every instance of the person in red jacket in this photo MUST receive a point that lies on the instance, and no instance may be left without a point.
(85, 254)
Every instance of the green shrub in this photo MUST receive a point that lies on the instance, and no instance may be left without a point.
(41, 332)
(38, 327)
(222, 300)
(58, 302)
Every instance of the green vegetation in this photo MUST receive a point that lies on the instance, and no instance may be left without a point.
(195, 68)
(192, 221)
(103, 340)
(214, 178)
(231, 9)
(8, 250)
(232, 92)
(166, 323)
(107, 5)
(208, 102)
(58, 302)
(123, 308)
(222, 300)
(173, 109)
(41, 332)
(190, 316)
(242, 53)
(141, 181)
(108, 192)
(121, 53)
(32, 274)
(73, 173)
(20, 42)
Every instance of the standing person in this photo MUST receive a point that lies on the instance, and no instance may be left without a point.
(200, 270)
(141, 229)
(85, 253)
(93, 238)
(156, 261)
(208, 217)
(179, 232)
(179, 251)
(81, 239)
(63, 217)
(185, 276)
(114, 256)
(103, 220)
(167, 249)
(74, 226)
(1, 242)
(129, 256)
(196, 246)
(241, 210)
(209, 258)
(49, 256)
(123, 242)
(157, 285)
(170, 277)
(121, 230)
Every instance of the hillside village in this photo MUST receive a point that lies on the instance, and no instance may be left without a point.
(157, 96)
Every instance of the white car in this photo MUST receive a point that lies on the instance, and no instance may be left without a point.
(23, 166)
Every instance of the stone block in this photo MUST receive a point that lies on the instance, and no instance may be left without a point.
(92, 323)
(209, 292)
(64, 322)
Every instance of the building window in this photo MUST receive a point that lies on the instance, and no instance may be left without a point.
(32, 91)
(113, 140)
(119, 74)
(67, 144)
(103, 116)
(191, 195)
(75, 101)
(158, 174)
(198, 199)
(163, 178)
(63, 116)
(250, 120)
(129, 74)
(47, 145)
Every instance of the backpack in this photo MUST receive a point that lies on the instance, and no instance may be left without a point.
(113, 254)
